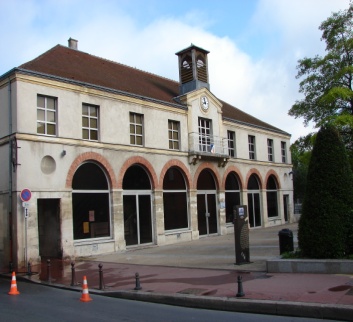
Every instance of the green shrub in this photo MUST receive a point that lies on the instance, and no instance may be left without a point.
(325, 225)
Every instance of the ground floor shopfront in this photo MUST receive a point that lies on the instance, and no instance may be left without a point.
(105, 208)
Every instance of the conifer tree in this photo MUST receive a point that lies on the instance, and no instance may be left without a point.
(325, 225)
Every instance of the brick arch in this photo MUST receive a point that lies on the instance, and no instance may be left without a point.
(91, 156)
(140, 161)
(273, 173)
(177, 164)
(254, 171)
(238, 173)
(213, 169)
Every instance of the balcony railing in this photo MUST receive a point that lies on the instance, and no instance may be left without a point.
(208, 145)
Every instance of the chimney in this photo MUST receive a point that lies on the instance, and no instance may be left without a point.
(72, 43)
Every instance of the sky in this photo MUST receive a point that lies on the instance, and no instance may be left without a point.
(254, 45)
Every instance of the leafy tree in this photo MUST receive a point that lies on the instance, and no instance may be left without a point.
(327, 86)
(325, 225)
(301, 153)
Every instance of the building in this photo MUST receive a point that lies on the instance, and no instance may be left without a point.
(99, 157)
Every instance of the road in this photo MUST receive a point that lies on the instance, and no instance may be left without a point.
(43, 303)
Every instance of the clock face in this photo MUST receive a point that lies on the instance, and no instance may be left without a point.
(204, 103)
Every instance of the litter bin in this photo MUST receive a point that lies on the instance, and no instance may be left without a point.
(285, 241)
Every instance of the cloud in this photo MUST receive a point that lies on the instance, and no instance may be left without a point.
(260, 81)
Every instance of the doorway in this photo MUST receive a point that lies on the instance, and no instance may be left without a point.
(286, 207)
(49, 228)
(206, 204)
(137, 205)
(254, 204)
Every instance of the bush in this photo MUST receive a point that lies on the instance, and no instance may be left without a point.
(325, 225)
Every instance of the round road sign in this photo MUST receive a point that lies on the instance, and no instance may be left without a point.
(26, 195)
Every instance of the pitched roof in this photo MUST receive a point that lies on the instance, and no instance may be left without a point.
(77, 66)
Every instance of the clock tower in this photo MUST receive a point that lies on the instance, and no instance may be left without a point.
(193, 69)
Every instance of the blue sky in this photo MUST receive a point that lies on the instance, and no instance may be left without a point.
(254, 44)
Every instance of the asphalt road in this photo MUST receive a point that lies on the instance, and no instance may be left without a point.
(43, 303)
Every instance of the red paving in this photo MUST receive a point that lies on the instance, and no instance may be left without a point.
(307, 288)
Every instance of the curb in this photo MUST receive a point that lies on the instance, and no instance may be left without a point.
(285, 308)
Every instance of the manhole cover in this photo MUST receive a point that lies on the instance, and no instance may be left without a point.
(194, 291)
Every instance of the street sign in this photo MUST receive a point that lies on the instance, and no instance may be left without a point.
(26, 195)
(25, 204)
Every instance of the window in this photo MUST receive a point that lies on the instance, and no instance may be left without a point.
(284, 152)
(46, 115)
(90, 122)
(231, 144)
(251, 141)
(232, 196)
(136, 129)
(271, 195)
(205, 135)
(173, 134)
(270, 149)
(175, 201)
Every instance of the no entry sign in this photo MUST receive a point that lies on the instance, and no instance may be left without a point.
(26, 195)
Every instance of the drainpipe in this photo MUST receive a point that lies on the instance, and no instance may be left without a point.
(10, 171)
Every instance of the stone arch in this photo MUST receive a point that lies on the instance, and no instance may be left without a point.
(251, 172)
(140, 161)
(214, 171)
(273, 173)
(91, 156)
(181, 166)
(238, 173)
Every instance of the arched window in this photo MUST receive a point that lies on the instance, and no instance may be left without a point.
(271, 195)
(232, 196)
(90, 202)
(254, 204)
(175, 200)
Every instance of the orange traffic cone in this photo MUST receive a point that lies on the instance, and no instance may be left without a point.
(13, 288)
(85, 296)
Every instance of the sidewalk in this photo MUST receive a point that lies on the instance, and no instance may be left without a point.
(202, 273)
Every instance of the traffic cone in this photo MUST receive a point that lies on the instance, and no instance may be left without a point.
(85, 295)
(13, 288)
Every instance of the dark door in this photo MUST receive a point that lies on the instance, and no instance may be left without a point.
(49, 228)
(286, 206)
(254, 209)
(137, 219)
(207, 213)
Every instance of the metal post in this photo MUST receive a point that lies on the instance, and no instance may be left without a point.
(73, 274)
(101, 283)
(29, 269)
(240, 287)
(138, 286)
(48, 271)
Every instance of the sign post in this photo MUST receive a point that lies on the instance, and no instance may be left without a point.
(241, 235)
(25, 196)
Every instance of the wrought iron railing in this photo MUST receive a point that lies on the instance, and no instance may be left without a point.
(208, 144)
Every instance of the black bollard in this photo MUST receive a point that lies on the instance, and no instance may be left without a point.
(29, 269)
(240, 287)
(48, 271)
(73, 274)
(101, 282)
(138, 286)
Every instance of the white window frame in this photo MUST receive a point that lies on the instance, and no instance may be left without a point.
(270, 154)
(174, 129)
(47, 111)
(231, 139)
(134, 134)
(284, 151)
(91, 118)
(252, 147)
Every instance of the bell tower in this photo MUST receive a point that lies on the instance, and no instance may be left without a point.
(193, 69)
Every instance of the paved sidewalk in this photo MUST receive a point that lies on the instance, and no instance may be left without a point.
(202, 273)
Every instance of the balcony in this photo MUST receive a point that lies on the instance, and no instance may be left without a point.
(208, 147)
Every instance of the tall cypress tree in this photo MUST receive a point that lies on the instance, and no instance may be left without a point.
(326, 221)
